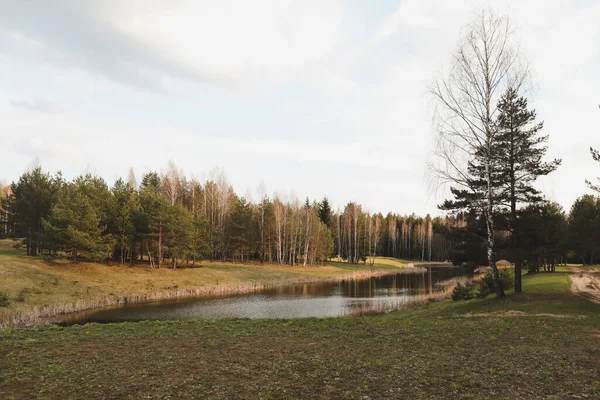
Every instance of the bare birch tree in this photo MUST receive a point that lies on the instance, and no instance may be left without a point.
(429, 235)
(309, 214)
(339, 234)
(131, 179)
(171, 183)
(262, 195)
(484, 64)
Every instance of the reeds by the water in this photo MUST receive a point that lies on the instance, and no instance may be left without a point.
(444, 291)
(37, 316)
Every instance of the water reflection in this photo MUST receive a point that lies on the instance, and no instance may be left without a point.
(325, 299)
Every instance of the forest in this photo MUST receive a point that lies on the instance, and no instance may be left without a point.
(170, 219)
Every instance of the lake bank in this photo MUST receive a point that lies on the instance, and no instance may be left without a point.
(349, 295)
(37, 289)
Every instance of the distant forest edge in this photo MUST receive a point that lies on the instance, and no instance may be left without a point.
(168, 219)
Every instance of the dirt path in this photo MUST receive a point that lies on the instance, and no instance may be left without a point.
(586, 284)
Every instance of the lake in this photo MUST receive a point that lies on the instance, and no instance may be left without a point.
(320, 299)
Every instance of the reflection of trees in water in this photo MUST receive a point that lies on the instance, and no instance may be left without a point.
(407, 283)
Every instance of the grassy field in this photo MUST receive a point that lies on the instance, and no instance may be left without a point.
(38, 288)
(542, 344)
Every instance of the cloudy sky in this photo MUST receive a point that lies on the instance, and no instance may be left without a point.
(315, 97)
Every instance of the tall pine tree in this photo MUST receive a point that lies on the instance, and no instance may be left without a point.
(325, 211)
(519, 150)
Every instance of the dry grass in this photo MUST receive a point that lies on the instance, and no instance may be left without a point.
(443, 291)
(38, 289)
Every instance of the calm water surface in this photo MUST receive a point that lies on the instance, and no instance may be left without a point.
(324, 299)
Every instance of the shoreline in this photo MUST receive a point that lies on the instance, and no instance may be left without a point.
(36, 316)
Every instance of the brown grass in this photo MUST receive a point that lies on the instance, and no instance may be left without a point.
(443, 292)
(38, 290)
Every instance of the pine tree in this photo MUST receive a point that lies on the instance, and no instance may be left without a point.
(124, 207)
(153, 216)
(519, 150)
(30, 202)
(584, 228)
(543, 239)
(243, 228)
(178, 228)
(74, 226)
(325, 211)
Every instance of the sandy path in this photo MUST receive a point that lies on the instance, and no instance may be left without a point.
(586, 284)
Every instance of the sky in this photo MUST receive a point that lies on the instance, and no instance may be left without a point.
(312, 98)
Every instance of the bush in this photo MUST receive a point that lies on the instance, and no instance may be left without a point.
(3, 299)
(463, 292)
(486, 285)
(468, 268)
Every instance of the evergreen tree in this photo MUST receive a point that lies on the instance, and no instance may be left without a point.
(200, 238)
(153, 217)
(243, 228)
(543, 238)
(124, 208)
(30, 202)
(74, 226)
(325, 211)
(519, 150)
(468, 237)
(472, 199)
(584, 228)
(98, 193)
(178, 227)
(327, 244)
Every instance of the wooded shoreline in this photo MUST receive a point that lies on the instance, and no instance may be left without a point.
(38, 290)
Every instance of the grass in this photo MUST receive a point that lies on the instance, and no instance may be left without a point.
(479, 349)
(36, 288)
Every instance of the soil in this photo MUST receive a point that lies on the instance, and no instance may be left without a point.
(585, 283)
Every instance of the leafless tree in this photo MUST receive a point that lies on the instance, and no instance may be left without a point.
(484, 64)
(171, 183)
(429, 235)
(4, 193)
(262, 195)
(131, 179)
(309, 216)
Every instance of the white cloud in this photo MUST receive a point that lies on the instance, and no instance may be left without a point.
(245, 44)
(37, 104)
(342, 108)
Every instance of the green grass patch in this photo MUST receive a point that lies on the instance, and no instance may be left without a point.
(429, 352)
(540, 344)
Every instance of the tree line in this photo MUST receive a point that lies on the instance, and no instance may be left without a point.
(168, 217)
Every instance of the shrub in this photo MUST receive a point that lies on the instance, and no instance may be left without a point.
(3, 299)
(486, 285)
(463, 292)
(468, 268)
